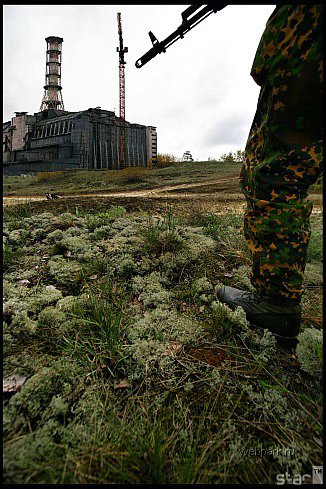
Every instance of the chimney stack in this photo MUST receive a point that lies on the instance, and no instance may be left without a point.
(52, 98)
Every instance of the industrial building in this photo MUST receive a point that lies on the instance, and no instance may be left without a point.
(55, 139)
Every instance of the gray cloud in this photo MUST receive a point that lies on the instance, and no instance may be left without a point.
(232, 130)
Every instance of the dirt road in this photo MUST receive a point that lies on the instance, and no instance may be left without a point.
(219, 194)
(155, 192)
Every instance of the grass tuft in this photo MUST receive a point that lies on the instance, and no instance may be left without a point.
(163, 234)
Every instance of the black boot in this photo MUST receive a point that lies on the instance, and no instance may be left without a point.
(282, 321)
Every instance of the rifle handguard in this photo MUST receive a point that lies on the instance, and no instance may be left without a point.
(186, 25)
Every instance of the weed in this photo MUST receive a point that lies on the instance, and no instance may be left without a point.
(222, 222)
(315, 246)
(115, 212)
(92, 222)
(10, 256)
(104, 218)
(101, 317)
(162, 235)
(19, 211)
(95, 265)
(226, 230)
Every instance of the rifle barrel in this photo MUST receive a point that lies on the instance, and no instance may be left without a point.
(187, 25)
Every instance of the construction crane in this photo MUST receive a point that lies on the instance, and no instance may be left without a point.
(121, 50)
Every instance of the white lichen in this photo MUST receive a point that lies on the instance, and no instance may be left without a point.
(55, 236)
(150, 336)
(62, 270)
(310, 351)
(201, 289)
(151, 289)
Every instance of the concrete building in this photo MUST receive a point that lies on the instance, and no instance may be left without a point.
(55, 139)
(6, 142)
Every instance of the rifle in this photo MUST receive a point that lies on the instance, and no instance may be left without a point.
(186, 25)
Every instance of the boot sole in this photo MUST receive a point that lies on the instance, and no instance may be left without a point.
(288, 342)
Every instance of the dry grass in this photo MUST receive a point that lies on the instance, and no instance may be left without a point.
(46, 176)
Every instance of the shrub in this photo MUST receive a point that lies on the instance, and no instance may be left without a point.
(45, 176)
(133, 174)
(165, 159)
(236, 157)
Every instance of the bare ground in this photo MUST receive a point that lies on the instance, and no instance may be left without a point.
(219, 195)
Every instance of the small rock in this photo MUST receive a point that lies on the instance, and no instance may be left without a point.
(174, 347)
(122, 384)
(50, 287)
(23, 282)
(13, 383)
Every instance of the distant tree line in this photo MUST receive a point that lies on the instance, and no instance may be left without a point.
(166, 159)
(235, 157)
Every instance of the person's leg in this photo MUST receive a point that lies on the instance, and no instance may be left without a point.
(283, 152)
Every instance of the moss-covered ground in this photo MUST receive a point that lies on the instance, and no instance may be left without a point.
(135, 373)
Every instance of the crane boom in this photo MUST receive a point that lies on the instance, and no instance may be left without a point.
(121, 50)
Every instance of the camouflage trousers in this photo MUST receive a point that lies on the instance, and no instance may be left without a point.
(283, 155)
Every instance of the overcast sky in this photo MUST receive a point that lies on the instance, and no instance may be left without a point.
(199, 94)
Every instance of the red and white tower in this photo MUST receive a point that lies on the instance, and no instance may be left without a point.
(121, 50)
(52, 98)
